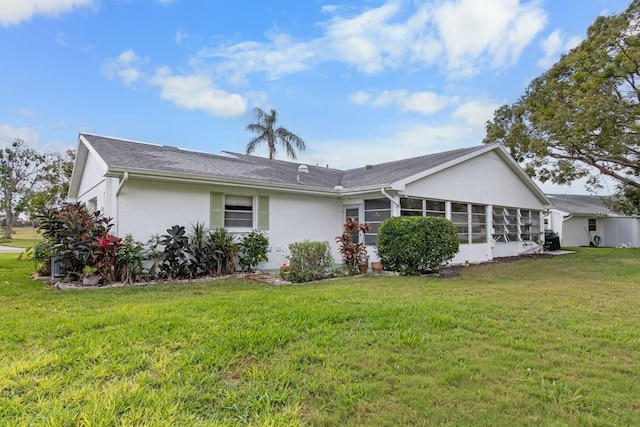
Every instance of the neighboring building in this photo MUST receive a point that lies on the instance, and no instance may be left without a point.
(147, 188)
(583, 220)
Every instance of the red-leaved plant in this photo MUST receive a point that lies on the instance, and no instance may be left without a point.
(353, 253)
(105, 255)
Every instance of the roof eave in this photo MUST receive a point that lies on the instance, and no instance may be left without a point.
(115, 172)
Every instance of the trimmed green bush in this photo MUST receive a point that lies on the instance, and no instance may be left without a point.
(413, 245)
(310, 261)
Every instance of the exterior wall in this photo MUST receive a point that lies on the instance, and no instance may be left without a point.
(575, 231)
(620, 231)
(93, 186)
(149, 207)
(485, 179)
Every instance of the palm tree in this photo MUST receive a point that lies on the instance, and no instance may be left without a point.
(265, 131)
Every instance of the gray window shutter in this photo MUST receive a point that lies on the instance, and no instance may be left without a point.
(216, 214)
(263, 213)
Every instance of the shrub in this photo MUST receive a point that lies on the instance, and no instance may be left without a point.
(224, 250)
(253, 248)
(201, 250)
(310, 261)
(175, 264)
(413, 245)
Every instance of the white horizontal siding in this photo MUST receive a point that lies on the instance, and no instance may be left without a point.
(485, 180)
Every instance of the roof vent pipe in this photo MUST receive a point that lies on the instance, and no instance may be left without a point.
(302, 169)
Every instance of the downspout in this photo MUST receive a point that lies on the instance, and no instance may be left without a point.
(124, 179)
(385, 194)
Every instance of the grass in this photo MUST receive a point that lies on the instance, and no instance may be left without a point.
(21, 237)
(537, 342)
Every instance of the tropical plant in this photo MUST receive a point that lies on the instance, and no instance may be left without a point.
(175, 264)
(153, 253)
(310, 261)
(105, 255)
(201, 250)
(353, 253)
(224, 250)
(266, 131)
(130, 260)
(72, 229)
(415, 244)
(253, 249)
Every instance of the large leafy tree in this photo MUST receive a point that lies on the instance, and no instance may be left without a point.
(28, 178)
(21, 171)
(582, 117)
(266, 131)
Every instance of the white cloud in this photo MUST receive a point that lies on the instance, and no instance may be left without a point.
(125, 67)
(360, 97)
(13, 12)
(476, 113)
(409, 141)
(197, 92)
(420, 102)
(281, 55)
(488, 33)
(554, 46)
(9, 133)
(463, 37)
(181, 35)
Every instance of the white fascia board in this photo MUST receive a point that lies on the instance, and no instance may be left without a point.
(94, 152)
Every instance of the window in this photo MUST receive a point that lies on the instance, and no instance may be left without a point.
(375, 211)
(592, 224)
(353, 212)
(234, 211)
(460, 218)
(505, 224)
(238, 211)
(529, 224)
(420, 207)
(478, 224)
(512, 225)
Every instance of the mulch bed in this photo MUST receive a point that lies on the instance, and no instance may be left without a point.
(262, 277)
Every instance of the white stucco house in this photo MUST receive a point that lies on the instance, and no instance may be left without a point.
(584, 220)
(147, 188)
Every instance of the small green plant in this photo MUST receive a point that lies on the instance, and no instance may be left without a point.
(89, 270)
(153, 254)
(413, 245)
(285, 272)
(130, 259)
(310, 261)
(253, 249)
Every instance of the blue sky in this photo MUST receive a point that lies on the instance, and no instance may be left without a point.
(360, 81)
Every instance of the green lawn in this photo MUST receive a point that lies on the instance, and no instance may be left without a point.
(21, 237)
(537, 342)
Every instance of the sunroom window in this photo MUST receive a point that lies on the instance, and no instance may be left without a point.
(375, 211)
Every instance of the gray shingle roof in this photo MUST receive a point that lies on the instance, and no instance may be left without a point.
(579, 204)
(120, 155)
